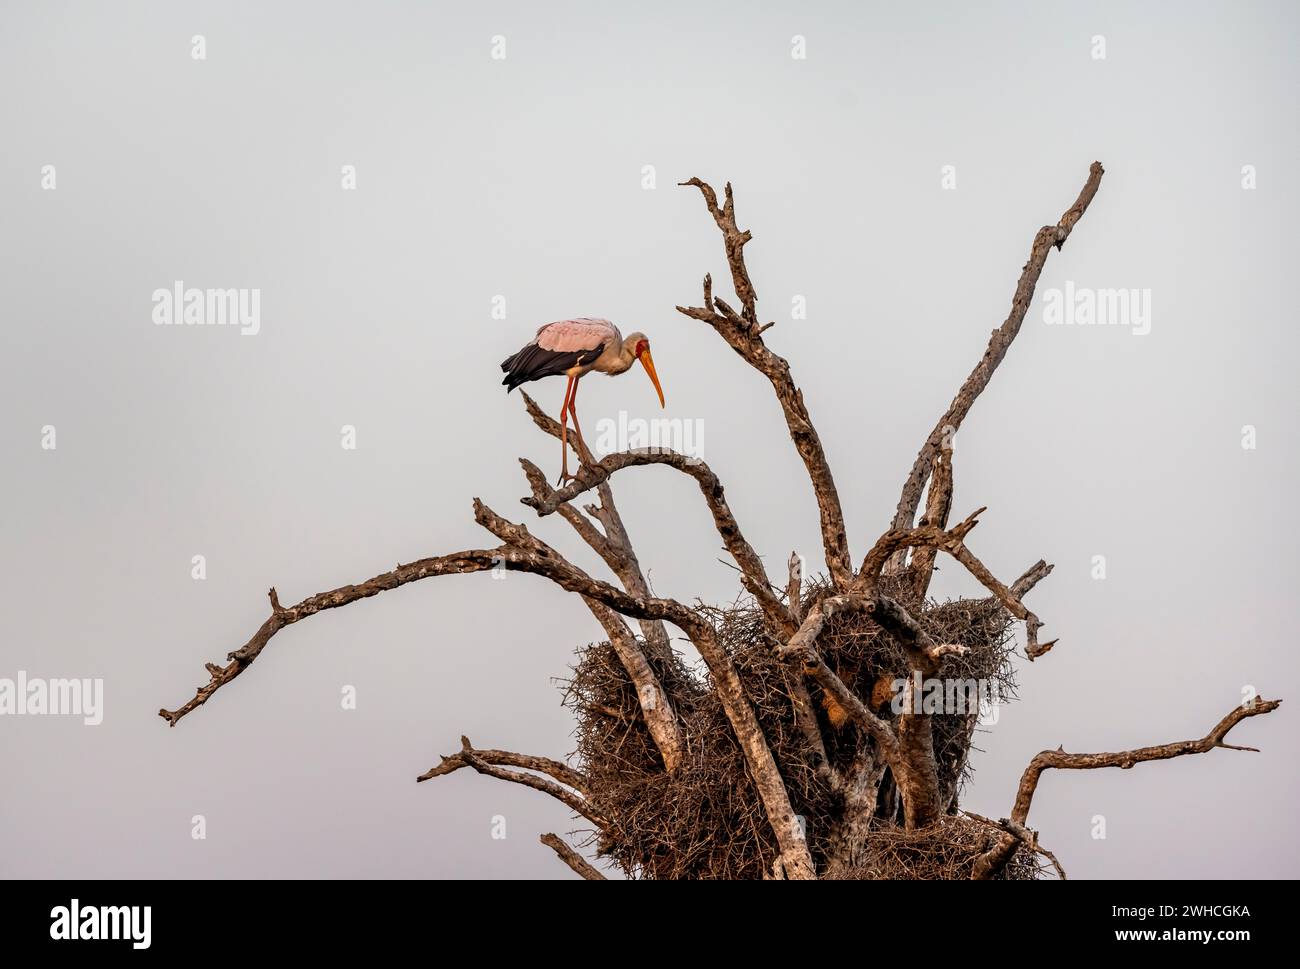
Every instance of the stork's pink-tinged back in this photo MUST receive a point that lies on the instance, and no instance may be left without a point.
(579, 333)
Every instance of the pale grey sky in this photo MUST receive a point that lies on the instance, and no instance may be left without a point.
(523, 177)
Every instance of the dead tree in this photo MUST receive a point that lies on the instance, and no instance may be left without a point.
(801, 749)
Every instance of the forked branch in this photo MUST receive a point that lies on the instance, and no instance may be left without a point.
(1124, 759)
(1048, 237)
(546, 500)
(1015, 831)
(522, 553)
(744, 335)
(460, 563)
(495, 763)
(450, 763)
(953, 541)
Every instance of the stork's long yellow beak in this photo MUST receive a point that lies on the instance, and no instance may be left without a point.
(648, 362)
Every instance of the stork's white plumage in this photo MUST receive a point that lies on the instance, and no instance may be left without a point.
(573, 348)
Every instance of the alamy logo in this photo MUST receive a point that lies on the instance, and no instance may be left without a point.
(130, 923)
(1081, 306)
(208, 307)
(23, 696)
(930, 695)
(658, 434)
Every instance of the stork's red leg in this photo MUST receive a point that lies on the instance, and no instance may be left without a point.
(564, 432)
(573, 410)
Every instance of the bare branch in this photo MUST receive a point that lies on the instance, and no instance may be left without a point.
(1125, 759)
(505, 758)
(546, 500)
(806, 636)
(587, 531)
(742, 333)
(924, 654)
(469, 757)
(1033, 648)
(789, 833)
(524, 554)
(616, 550)
(805, 716)
(734, 240)
(999, 343)
(953, 541)
(656, 708)
(793, 587)
(938, 504)
(1035, 574)
(571, 858)
(900, 539)
(459, 563)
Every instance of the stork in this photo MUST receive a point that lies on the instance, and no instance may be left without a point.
(573, 348)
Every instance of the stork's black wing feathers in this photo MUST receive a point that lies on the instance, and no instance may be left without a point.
(533, 363)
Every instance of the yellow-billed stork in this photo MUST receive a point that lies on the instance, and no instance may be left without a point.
(573, 348)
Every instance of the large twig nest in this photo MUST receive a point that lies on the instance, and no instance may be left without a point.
(705, 820)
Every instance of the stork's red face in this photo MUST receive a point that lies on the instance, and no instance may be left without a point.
(647, 361)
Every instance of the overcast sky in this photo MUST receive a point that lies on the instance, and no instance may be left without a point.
(525, 177)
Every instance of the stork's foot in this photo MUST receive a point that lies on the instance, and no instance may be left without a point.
(564, 478)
